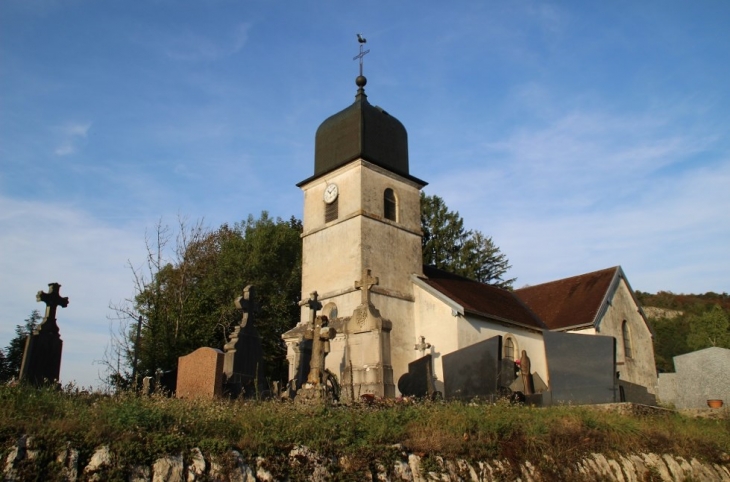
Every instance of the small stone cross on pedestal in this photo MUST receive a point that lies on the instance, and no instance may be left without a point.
(365, 285)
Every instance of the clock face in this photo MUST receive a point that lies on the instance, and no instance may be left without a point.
(330, 194)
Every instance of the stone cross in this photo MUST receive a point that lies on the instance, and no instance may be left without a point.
(313, 304)
(365, 285)
(42, 356)
(320, 335)
(422, 346)
(53, 300)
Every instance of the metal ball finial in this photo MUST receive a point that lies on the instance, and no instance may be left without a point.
(360, 81)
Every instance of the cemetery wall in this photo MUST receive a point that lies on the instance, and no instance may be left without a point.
(302, 463)
(700, 376)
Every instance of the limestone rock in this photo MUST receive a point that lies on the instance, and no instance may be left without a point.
(168, 469)
(197, 466)
(262, 474)
(68, 459)
(101, 459)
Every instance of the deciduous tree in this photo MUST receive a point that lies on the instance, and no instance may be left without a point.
(709, 329)
(185, 293)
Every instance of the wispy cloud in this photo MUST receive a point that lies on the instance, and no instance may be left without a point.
(55, 243)
(72, 135)
(589, 190)
(193, 46)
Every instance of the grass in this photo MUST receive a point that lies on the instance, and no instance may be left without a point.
(140, 429)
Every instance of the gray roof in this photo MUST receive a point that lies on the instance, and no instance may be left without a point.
(361, 131)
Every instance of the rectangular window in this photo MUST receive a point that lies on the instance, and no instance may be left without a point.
(330, 211)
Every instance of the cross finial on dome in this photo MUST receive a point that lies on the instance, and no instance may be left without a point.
(360, 81)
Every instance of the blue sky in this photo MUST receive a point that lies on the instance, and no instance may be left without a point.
(580, 135)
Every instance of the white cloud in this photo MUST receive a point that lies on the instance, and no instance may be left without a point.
(191, 46)
(587, 191)
(42, 243)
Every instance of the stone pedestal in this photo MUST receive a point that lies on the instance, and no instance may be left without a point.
(42, 357)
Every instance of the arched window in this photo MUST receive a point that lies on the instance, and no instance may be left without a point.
(626, 333)
(390, 205)
(508, 351)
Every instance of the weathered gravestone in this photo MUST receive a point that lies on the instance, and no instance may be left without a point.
(243, 364)
(200, 374)
(418, 382)
(43, 347)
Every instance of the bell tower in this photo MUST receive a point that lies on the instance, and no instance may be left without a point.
(361, 208)
(361, 246)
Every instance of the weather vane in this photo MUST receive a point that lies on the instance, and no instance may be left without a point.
(362, 53)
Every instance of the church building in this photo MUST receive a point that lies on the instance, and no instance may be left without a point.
(362, 257)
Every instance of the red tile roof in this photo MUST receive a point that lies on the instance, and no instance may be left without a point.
(481, 299)
(571, 301)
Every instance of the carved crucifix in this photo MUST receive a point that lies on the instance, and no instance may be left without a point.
(320, 335)
(365, 285)
(422, 346)
(313, 304)
(53, 300)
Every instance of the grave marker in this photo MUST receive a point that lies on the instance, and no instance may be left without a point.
(43, 347)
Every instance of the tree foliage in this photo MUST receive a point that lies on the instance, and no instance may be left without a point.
(712, 328)
(12, 357)
(186, 298)
(449, 246)
(698, 321)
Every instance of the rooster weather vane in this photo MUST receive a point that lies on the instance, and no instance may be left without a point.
(362, 40)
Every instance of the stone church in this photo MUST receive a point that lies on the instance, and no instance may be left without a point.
(362, 256)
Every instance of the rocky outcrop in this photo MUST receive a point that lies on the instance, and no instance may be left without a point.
(21, 463)
(654, 312)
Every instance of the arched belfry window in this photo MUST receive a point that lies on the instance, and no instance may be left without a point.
(390, 205)
(626, 334)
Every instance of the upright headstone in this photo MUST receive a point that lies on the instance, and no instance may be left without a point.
(200, 374)
(581, 368)
(243, 363)
(42, 356)
(418, 382)
(473, 371)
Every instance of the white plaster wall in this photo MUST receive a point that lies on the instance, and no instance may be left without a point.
(336, 253)
(448, 333)
(641, 367)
